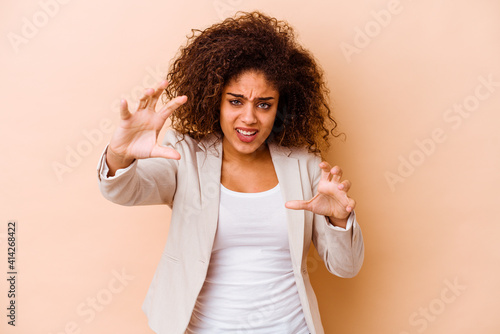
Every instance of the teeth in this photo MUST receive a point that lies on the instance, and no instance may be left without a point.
(246, 133)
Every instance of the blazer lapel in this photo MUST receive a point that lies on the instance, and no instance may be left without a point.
(209, 160)
(287, 169)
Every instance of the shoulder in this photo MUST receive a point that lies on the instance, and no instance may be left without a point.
(307, 162)
(187, 144)
(311, 163)
(300, 153)
(175, 138)
(310, 159)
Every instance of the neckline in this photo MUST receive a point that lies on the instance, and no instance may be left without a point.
(271, 191)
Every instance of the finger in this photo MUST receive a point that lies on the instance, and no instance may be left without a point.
(312, 199)
(143, 101)
(124, 113)
(297, 205)
(173, 104)
(345, 185)
(336, 173)
(325, 170)
(351, 205)
(157, 93)
(164, 152)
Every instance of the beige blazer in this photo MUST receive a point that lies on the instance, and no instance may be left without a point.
(191, 187)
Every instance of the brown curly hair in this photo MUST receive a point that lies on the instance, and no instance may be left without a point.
(251, 41)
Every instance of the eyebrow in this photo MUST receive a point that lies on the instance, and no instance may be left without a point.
(258, 98)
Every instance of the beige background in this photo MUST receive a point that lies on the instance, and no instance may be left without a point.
(435, 225)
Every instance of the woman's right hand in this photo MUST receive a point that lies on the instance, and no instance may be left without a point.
(136, 136)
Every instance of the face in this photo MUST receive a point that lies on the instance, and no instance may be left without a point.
(247, 112)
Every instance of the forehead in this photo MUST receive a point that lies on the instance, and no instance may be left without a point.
(251, 83)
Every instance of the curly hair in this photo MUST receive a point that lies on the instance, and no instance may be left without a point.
(251, 41)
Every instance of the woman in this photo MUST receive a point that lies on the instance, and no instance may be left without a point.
(241, 171)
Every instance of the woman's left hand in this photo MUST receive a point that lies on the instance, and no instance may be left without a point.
(331, 200)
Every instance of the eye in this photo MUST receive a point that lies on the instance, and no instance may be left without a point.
(235, 102)
(264, 105)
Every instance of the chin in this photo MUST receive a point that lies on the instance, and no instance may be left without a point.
(246, 148)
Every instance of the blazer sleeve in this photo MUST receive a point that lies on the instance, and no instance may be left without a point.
(144, 182)
(342, 250)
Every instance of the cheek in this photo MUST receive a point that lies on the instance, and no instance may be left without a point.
(223, 115)
(226, 120)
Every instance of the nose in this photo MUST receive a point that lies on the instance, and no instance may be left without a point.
(248, 115)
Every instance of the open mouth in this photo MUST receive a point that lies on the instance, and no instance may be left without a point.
(246, 136)
(246, 133)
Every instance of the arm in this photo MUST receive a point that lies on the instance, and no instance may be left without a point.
(342, 249)
(143, 182)
(134, 169)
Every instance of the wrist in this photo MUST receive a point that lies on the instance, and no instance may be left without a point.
(337, 222)
(118, 157)
(116, 161)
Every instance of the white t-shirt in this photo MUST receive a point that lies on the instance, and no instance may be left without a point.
(250, 286)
